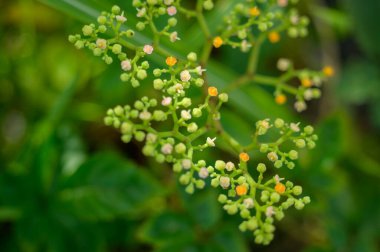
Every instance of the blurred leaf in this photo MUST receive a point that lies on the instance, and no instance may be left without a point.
(168, 227)
(337, 19)
(107, 186)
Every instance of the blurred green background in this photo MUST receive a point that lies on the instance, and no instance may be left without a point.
(67, 183)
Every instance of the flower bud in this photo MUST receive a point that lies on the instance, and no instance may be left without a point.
(261, 168)
(180, 148)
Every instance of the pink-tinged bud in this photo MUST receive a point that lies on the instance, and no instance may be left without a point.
(148, 49)
(126, 65)
(172, 10)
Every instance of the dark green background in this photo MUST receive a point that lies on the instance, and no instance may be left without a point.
(67, 183)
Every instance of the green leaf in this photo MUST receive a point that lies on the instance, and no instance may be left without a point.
(107, 186)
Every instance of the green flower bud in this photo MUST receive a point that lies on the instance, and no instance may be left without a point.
(126, 138)
(116, 48)
(263, 27)
(199, 82)
(108, 120)
(140, 26)
(192, 127)
(130, 33)
(184, 179)
(87, 30)
(124, 77)
(272, 156)
(158, 84)
(152, 2)
(259, 239)
(134, 113)
(222, 198)
(72, 38)
(108, 60)
(279, 123)
(293, 32)
(200, 184)
(197, 112)
(157, 72)
(300, 143)
(289, 184)
(177, 167)
(269, 228)
(172, 22)
(162, 11)
(290, 165)
(210, 169)
(159, 115)
(223, 97)
(293, 154)
(297, 190)
(299, 205)
(245, 213)
(232, 209)
(79, 44)
(97, 51)
(311, 145)
(119, 110)
(186, 102)
(126, 128)
(278, 164)
(148, 150)
(180, 148)
(192, 57)
(140, 136)
(160, 158)
(141, 74)
(279, 215)
(264, 197)
(264, 148)
(261, 168)
(116, 123)
(243, 226)
(308, 130)
(145, 65)
(102, 28)
(208, 5)
(139, 105)
(241, 180)
(275, 197)
(115, 9)
(220, 165)
(215, 182)
(102, 20)
(252, 224)
(190, 188)
(231, 193)
(306, 200)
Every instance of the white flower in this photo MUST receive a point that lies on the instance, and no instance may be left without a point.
(148, 49)
(172, 10)
(150, 137)
(210, 142)
(186, 164)
(283, 64)
(245, 46)
(121, 18)
(248, 203)
(200, 70)
(186, 115)
(278, 179)
(300, 106)
(141, 12)
(308, 94)
(185, 75)
(145, 115)
(203, 173)
(167, 149)
(230, 166)
(126, 65)
(166, 101)
(224, 182)
(101, 43)
(295, 127)
(174, 37)
(178, 87)
(294, 19)
(269, 211)
(272, 156)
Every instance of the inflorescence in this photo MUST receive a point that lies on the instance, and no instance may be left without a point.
(175, 127)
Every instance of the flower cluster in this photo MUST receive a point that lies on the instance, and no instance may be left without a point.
(173, 127)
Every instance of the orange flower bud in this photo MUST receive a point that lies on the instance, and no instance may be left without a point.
(171, 61)
(280, 99)
(254, 11)
(241, 190)
(244, 157)
(274, 37)
(218, 42)
(328, 71)
(280, 188)
(212, 91)
(306, 83)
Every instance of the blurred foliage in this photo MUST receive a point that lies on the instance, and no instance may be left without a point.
(67, 182)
